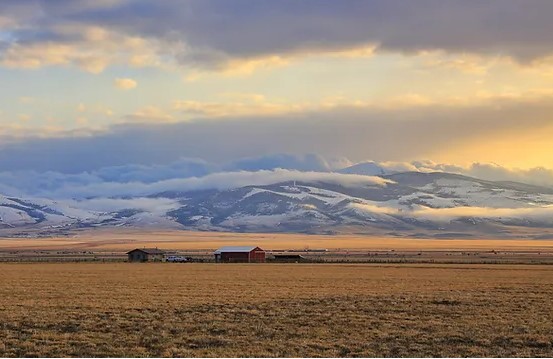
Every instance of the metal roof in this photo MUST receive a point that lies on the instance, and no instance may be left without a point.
(148, 250)
(235, 249)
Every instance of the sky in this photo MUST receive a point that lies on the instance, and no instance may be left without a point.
(183, 88)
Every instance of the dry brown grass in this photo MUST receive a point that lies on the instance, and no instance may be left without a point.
(122, 240)
(121, 309)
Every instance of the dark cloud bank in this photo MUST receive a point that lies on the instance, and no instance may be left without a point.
(215, 31)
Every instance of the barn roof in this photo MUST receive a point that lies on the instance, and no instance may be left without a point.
(148, 250)
(235, 249)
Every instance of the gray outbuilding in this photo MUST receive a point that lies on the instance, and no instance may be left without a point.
(145, 255)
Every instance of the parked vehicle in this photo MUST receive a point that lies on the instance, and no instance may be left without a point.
(177, 259)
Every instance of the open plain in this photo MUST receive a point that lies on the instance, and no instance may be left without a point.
(162, 309)
(111, 245)
(123, 239)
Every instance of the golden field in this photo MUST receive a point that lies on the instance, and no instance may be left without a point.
(99, 245)
(123, 309)
(124, 239)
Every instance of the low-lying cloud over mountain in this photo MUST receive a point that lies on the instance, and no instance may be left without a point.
(139, 179)
(260, 194)
(195, 174)
(420, 204)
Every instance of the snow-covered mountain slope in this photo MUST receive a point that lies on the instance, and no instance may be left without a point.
(436, 204)
(414, 200)
(37, 215)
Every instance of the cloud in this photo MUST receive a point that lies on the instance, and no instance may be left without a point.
(244, 107)
(158, 206)
(90, 48)
(237, 105)
(371, 208)
(372, 168)
(356, 133)
(188, 174)
(241, 29)
(150, 114)
(31, 182)
(221, 180)
(125, 83)
(17, 131)
(101, 110)
(467, 63)
(310, 162)
(244, 35)
(255, 105)
(542, 215)
(494, 172)
(183, 168)
(203, 63)
(540, 176)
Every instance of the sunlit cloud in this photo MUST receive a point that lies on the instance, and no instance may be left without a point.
(233, 109)
(91, 49)
(82, 121)
(371, 208)
(237, 104)
(27, 100)
(125, 83)
(228, 66)
(24, 117)
(95, 109)
(468, 63)
(540, 213)
(150, 114)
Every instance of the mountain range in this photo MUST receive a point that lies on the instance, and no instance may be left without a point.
(406, 204)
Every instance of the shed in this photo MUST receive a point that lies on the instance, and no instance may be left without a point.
(240, 254)
(145, 255)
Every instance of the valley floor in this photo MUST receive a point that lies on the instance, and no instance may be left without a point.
(125, 239)
(110, 245)
(128, 310)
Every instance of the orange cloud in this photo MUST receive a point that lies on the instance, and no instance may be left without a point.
(125, 83)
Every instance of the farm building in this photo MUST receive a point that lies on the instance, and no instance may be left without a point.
(145, 255)
(241, 254)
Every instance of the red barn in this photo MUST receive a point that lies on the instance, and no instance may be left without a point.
(240, 254)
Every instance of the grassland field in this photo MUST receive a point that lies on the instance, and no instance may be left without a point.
(123, 239)
(55, 309)
(195, 310)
